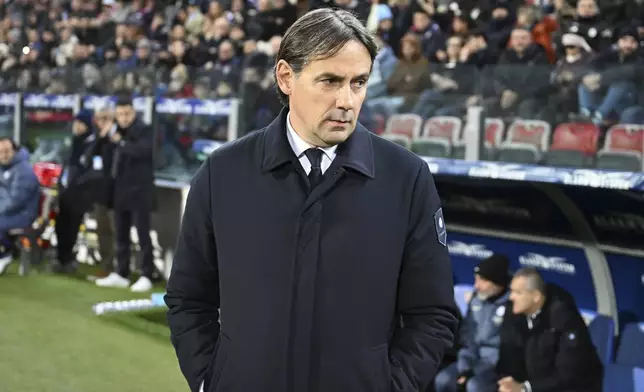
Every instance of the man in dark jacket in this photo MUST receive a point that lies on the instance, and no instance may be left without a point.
(82, 184)
(133, 183)
(19, 194)
(545, 344)
(312, 253)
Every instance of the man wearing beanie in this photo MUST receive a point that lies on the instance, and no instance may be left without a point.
(475, 369)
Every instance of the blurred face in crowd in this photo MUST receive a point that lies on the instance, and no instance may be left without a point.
(125, 53)
(143, 52)
(226, 51)
(221, 27)
(587, 8)
(32, 35)
(78, 128)
(178, 48)
(410, 47)
(6, 152)
(485, 288)
(178, 33)
(385, 25)
(326, 96)
(420, 21)
(520, 40)
(48, 36)
(500, 13)
(250, 46)
(215, 10)
(526, 16)
(263, 5)
(524, 300)
(572, 51)
(454, 45)
(237, 5)
(103, 119)
(125, 115)
(237, 33)
(66, 34)
(627, 44)
(459, 26)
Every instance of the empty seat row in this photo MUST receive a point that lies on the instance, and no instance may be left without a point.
(526, 141)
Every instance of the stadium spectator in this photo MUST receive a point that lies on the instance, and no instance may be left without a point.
(410, 76)
(522, 75)
(613, 84)
(545, 344)
(19, 195)
(132, 173)
(475, 369)
(568, 73)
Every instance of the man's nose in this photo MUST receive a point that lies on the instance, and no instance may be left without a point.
(345, 99)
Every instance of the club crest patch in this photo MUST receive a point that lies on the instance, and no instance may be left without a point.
(441, 229)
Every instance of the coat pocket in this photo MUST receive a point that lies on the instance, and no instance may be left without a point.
(219, 363)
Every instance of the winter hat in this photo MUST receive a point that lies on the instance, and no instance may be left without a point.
(629, 31)
(84, 116)
(494, 269)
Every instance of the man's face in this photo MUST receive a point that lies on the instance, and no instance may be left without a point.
(78, 127)
(420, 21)
(484, 287)
(627, 44)
(6, 152)
(587, 8)
(125, 115)
(520, 39)
(523, 300)
(326, 97)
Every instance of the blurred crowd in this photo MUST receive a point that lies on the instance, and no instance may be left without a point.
(544, 59)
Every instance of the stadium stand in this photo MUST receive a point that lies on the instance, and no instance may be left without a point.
(568, 95)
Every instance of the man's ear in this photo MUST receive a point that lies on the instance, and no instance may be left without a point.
(284, 76)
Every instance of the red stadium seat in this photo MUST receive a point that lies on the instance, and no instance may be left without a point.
(494, 128)
(438, 136)
(405, 124)
(623, 148)
(573, 145)
(526, 141)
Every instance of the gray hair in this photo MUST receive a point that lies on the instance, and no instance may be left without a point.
(534, 280)
(102, 107)
(319, 35)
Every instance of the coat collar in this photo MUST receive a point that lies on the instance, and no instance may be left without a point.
(355, 153)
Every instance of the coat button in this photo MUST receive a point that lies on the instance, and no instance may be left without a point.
(396, 362)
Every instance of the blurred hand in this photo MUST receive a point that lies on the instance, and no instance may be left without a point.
(592, 81)
(508, 99)
(565, 77)
(508, 384)
(441, 55)
(116, 137)
(461, 380)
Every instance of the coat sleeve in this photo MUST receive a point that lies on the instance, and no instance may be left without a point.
(21, 191)
(193, 287)
(425, 293)
(575, 352)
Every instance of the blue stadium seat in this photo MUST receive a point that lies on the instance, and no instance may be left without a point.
(602, 332)
(620, 378)
(630, 351)
(461, 295)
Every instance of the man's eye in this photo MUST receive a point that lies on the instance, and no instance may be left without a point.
(361, 83)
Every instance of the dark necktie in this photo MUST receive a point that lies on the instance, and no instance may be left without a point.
(314, 156)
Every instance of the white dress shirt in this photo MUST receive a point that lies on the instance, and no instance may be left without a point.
(299, 146)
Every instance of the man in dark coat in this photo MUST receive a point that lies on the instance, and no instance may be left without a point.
(545, 344)
(312, 256)
(84, 183)
(133, 183)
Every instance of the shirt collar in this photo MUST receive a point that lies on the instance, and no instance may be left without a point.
(298, 144)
